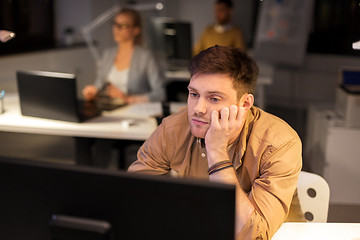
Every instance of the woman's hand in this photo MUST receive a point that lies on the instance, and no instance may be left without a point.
(89, 92)
(114, 92)
(137, 99)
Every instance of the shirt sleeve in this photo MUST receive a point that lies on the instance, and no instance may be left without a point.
(156, 78)
(200, 45)
(273, 191)
(239, 40)
(151, 157)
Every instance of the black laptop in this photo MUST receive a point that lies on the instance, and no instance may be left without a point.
(53, 95)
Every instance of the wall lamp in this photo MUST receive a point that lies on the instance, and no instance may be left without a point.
(6, 35)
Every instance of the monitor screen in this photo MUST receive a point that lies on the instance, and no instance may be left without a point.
(171, 39)
(51, 201)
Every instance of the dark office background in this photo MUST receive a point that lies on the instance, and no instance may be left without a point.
(33, 23)
(335, 25)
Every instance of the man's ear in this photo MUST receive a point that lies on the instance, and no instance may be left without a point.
(247, 101)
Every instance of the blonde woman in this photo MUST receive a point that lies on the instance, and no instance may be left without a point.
(131, 70)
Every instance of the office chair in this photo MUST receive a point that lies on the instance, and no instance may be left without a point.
(314, 196)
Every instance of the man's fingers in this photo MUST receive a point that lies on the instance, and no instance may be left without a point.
(233, 113)
(241, 114)
(228, 117)
(214, 117)
(224, 112)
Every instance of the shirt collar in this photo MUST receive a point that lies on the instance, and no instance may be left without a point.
(222, 28)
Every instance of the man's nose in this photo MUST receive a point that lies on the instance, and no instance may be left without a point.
(200, 106)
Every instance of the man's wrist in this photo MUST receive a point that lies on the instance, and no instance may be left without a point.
(219, 166)
(216, 156)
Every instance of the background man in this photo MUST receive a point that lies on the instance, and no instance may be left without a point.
(223, 32)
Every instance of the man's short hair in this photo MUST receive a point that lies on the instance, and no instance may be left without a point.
(228, 3)
(241, 68)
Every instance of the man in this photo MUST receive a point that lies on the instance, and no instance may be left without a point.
(223, 32)
(222, 137)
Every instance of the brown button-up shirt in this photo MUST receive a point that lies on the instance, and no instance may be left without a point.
(266, 157)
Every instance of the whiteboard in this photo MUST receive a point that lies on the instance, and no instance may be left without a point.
(282, 31)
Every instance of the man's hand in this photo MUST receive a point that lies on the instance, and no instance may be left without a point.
(225, 127)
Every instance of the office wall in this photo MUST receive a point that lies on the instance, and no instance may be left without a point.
(79, 13)
(77, 60)
(314, 81)
(200, 13)
(75, 14)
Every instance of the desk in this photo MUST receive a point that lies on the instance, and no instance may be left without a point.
(133, 122)
(265, 78)
(130, 123)
(318, 231)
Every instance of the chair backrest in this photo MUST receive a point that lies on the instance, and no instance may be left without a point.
(314, 196)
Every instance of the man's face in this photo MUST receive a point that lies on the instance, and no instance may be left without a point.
(222, 13)
(208, 92)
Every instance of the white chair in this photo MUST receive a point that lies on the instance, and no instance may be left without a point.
(314, 196)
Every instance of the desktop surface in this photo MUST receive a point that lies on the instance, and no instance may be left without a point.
(318, 231)
(131, 122)
(136, 206)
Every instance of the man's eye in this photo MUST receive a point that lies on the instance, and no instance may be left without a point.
(193, 94)
(215, 99)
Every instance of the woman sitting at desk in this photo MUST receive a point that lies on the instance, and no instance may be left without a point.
(128, 72)
(132, 71)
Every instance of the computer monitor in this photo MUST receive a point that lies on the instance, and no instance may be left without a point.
(171, 40)
(52, 201)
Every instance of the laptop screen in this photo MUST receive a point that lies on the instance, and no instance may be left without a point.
(49, 95)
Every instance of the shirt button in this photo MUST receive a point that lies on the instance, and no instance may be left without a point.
(203, 155)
